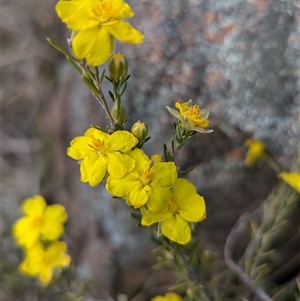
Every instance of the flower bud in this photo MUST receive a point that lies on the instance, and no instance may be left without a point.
(140, 131)
(117, 66)
(120, 118)
(156, 158)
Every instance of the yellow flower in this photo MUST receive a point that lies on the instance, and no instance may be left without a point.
(96, 23)
(192, 118)
(99, 152)
(184, 206)
(40, 221)
(293, 179)
(167, 297)
(42, 262)
(256, 150)
(147, 184)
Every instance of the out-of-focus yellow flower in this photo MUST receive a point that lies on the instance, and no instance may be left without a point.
(167, 297)
(293, 179)
(192, 118)
(96, 24)
(184, 206)
(42, 262)
(156, 158)
(99, 152)
(256, 150)
(147, 183)
(40, 222)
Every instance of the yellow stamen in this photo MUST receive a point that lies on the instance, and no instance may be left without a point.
(173, 205)
(147, 175)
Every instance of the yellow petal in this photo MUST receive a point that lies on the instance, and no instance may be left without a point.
(46, 274)
(293, 179)
(24, 232)
(122, 141)
(118, 9)
(168, 297)
(121, 187)
(158, 197)
(256, 150)
(142, 161)
(192, 208)
(78, 14)
(183, 189)
(94, 44)
(150, 218)
(57, 253)
(137, 196)
(177, 229)
(56, 212)
(125, 12)
(125, 33)
(119, 164)
(97, 134)
(93, 169)
(52, 228)
(173, 297)
(165, 173)
(34, 206)
(79, 147)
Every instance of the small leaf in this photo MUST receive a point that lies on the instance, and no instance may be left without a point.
(60, 49)
(74, 65)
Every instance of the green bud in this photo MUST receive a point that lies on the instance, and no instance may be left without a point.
(140, 131)
(120, 118)
(117, 66)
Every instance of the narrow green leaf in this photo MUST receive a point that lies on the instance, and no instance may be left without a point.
(102, 76)
(60, 49)
(111, 95)
(74, 65)
(91, 85)
(124, 89)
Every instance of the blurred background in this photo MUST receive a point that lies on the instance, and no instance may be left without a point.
(237, 58)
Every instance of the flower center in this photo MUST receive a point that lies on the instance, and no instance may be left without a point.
(98, 145)
(36, 221)
(193, 115)
(47, 259)
(147, 174)
(173, 204)
(104, 12)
